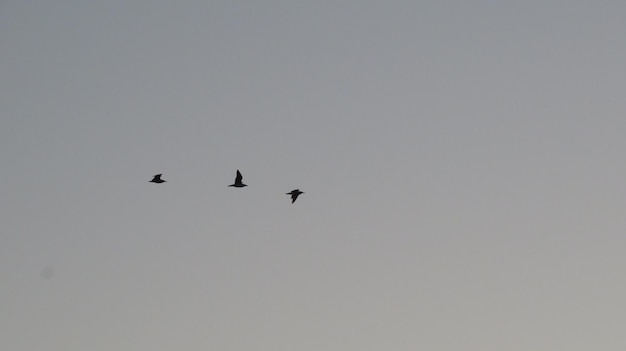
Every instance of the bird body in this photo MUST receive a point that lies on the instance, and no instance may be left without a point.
(238, 181)
(294, 194)
(157, 179)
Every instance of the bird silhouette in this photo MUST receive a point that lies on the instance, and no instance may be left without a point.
(294, 194)
(157, 179)
(238, 183)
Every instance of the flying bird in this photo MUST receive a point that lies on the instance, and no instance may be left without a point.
(238, 183)
(294, 194)
(157, 179)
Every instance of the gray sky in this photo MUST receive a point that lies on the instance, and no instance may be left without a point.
(462, 161)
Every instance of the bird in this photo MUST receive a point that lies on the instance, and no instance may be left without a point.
(238, 183)
(157, 179)
(294, 194)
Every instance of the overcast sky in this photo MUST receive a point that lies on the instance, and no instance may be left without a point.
(463, 164)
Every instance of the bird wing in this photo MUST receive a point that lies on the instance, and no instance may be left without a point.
(294, 195)
(157, 177)
(238, 178)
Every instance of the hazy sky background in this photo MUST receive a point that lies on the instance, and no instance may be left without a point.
(463, 164)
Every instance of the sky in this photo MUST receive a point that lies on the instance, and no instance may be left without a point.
(462, 163)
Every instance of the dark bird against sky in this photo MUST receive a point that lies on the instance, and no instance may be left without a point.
(238, 181)
(294, 194)
(157, 179)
